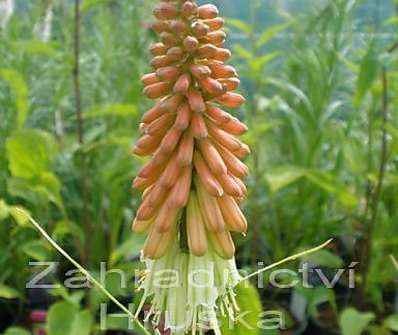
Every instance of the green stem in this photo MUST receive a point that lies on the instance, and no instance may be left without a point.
(375, 198)
(286, 260)
(86, 273)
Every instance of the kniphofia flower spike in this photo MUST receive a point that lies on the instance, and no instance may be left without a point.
(192, 184)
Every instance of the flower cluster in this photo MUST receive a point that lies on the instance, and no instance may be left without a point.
(194, 174)
(192, 183)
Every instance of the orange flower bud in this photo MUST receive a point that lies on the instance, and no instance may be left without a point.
(198, 126)
(169, 39)
(212, 157)
(197, 237)
(190, 44)
(210, 183)
(232, 214)
(141, 226)
(150, 79)
(171, 172)
(163, 122)
(166, 11)
(171, 103)
(180, 193)
(229, 185)
(157, 243)
(234, 127)
(185, 150)
(161, 61)
(212, 86)
(157, 195)
(208, 12)
(234, 165)
(231, 84)
(207, 51)
(219, 70)
(242, 152)
(166, 219)
(152, 114)
(168, 73)
(217, 37)
(160, 26)
(183, 117)
(182, 84)
(158, 49)
(214, 24)
(189, 9)
(211, 211)
(196, 101)
(176, 53)
(179, 27)
(223, 244)
(231, 100)
(217, 114)
(200, 29)
(200, 71)
(157, 90)
(222, 55)
(170, 141)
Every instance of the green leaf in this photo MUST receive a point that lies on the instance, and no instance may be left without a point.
(270, 33)
(367, 75)
(115, 322)
(242, 52)
(111, 110)
(130, 247)
(240, 25)
(325, 258)
(90, 4)
(20, 89)
(66, 319)
(392, 21)
(353, 322)
(30, 153)
(34, 47)
(317, 296)
(7, 292)
(65, 227)
(30, 156)
(37, 250)
(391, 322)
(16, 331)
(283, 177)
(20, 215)
(257, 64)
(378, 330)
(249, 303)
(4, 210)
(328, 182)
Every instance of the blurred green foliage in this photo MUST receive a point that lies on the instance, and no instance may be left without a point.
(315, 112)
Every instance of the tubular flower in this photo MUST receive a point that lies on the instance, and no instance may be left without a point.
(192, 183)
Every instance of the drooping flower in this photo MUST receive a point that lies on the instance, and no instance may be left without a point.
(192, 184)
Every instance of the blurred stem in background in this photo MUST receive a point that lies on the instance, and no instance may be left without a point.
(253, 113)
(85, 216)
(373, 196)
